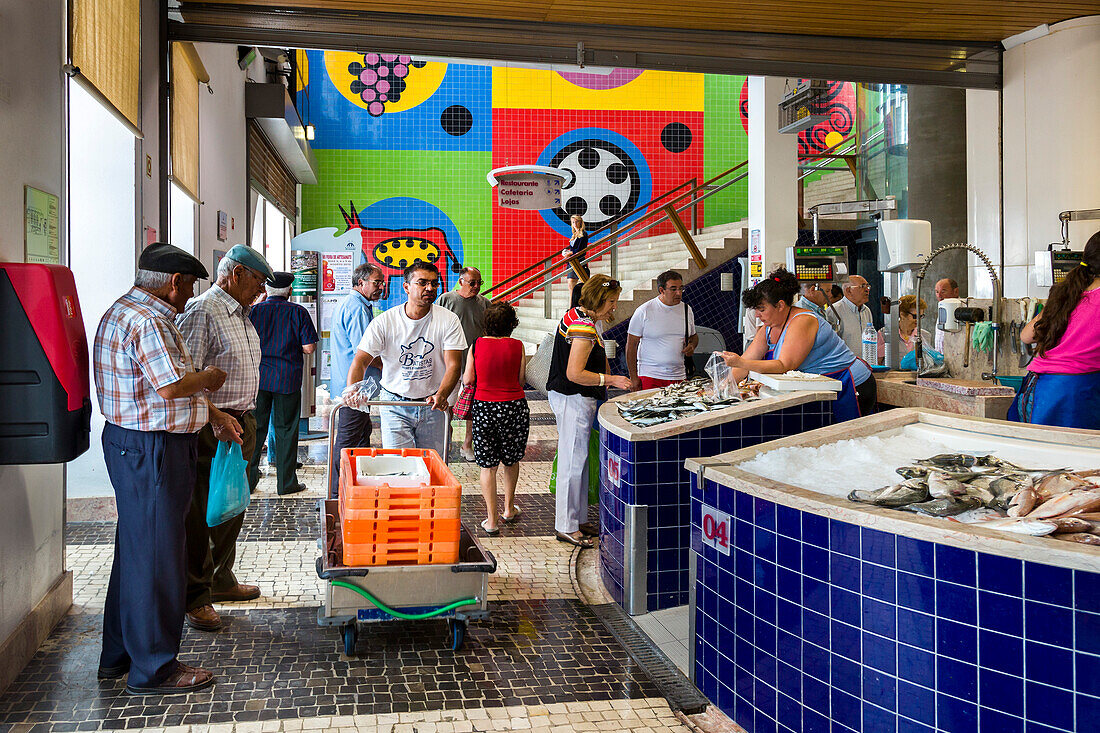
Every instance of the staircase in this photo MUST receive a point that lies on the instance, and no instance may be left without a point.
(640, 261)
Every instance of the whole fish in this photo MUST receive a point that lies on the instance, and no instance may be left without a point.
(913, 471)
(1069, 503)
(1072, 524)
(1023, 502)
(1059, 483)
(944, 460)
(1084, 539)
(1033, 527)
(945, 507)
(941, 486)
(896, 495)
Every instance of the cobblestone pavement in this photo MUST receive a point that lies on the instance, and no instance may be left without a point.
(541, 661)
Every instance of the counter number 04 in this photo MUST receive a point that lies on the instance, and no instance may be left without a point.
(716, 529)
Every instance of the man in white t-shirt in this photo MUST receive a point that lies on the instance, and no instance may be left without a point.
(420, 347)
(660, 335)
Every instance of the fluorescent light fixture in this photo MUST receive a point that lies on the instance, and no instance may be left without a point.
(311, 132)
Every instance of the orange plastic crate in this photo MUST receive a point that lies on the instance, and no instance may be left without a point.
(387, 525)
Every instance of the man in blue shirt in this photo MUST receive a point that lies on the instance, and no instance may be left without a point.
(353, 315)
(286, 333)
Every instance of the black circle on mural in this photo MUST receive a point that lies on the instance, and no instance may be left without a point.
(456, 120)
(605, 182)
(609, 205)
(589, 158)
(383, 249)
(576, 206)
(676, 137)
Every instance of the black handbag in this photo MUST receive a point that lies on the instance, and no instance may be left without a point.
(689, 361)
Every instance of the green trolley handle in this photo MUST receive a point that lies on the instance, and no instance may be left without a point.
(399, 614)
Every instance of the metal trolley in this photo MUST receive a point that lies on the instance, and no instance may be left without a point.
(455, 592)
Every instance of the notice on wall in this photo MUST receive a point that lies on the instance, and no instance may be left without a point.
(304, 266)
(326, 366)
(41, 226)
(756, 258)
(336, 269)
(529, 191)
(329, 304)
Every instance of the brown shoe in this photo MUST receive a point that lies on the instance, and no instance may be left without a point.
(240, 593)
(184, 679)
(204, 618)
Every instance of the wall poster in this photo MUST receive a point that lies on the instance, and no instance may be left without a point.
(41, 227)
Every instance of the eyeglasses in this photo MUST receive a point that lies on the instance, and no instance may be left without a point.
(421, 283)
(474, 283)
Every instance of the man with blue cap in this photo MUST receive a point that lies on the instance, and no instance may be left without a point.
(218, 333)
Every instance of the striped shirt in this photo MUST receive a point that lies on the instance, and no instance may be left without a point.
(284, 328)
(577, 324)
(218, 333)
(137, 351)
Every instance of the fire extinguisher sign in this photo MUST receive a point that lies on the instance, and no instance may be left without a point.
(717, 529)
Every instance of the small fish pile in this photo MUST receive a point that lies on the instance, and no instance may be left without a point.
(683, 399)
(995, 493)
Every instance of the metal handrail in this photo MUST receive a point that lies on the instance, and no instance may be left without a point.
(620, 240)
(637, 211)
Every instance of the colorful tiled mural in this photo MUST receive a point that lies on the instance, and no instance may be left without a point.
(404, 145)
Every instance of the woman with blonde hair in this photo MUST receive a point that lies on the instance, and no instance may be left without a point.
(578, 246)
(578, 382)
(907, 327)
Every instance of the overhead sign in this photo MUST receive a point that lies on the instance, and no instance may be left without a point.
(529, 191)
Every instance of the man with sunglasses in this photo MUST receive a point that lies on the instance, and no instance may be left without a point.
(218, 333)
(469, 305)
(420, 346)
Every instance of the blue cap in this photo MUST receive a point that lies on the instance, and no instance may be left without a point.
(252, 259)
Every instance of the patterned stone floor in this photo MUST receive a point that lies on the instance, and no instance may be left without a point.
(542, 661)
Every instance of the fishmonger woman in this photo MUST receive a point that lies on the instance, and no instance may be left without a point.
(794, 338)
(1062, 386)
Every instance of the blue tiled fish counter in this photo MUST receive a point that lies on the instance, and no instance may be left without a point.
(645, 489)
(814, 614)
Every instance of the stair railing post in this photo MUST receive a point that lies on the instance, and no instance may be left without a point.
(614, 251)
(694, 206)
(685, 236)
(548, 292)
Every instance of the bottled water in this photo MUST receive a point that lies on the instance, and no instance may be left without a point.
(870, 344)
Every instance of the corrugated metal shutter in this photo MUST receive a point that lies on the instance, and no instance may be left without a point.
(268, 174)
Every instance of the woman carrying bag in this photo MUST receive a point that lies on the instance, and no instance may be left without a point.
(493, 387)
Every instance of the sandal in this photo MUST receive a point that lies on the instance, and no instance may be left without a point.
(516, 512)
(584, 544)
(490, 532)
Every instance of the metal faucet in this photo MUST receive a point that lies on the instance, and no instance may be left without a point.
(996, 301)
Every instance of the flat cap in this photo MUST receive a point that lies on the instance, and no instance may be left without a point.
(282, 279)
(252, 259)
(163, 257)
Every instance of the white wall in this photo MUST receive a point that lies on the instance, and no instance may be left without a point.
(1051, 148)
(983, 184)
(773, 167)
(31, 33)
(223, 163)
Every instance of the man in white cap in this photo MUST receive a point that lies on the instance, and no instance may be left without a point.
(218, 333)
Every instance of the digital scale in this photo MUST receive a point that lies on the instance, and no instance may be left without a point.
(817, 263)
(1051, 267)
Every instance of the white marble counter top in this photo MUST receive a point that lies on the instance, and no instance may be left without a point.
(723, 470)
(611, 420)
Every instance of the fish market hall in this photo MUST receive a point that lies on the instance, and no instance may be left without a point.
(440, 368)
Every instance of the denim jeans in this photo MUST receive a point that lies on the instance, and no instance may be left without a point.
(412, 427)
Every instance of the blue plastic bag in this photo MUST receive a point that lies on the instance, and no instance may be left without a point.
(229, 494)
(909, 361)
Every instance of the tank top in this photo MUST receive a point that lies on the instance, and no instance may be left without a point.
(1078, 351)
(496, 365)
(829, 353)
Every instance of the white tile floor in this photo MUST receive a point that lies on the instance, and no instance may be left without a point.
(668, 629)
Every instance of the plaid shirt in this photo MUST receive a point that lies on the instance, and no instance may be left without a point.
(218, 333)
(137, 351)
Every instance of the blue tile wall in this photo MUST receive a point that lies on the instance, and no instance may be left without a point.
(652, 473)
(868, 631)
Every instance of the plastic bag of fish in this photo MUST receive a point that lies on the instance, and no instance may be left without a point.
(684, 399)
(991, 492)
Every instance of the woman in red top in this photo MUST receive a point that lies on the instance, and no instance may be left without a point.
(500, 418)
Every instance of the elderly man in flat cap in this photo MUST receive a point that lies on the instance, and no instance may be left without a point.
(286, 334)
(218, 333)
(154, 404)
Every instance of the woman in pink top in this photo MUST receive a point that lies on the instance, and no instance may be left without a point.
(499, 418)
(1063, 382)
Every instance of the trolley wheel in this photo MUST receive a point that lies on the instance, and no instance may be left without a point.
(457, 630)
(351, 636)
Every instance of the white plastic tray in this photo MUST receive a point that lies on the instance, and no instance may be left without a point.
(398, 471)
(783, 383)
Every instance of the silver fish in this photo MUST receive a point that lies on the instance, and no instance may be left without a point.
(945, 507)
(1033, 527)
(896, 495)
(941, 486)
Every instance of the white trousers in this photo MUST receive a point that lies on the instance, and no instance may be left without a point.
(574, 414)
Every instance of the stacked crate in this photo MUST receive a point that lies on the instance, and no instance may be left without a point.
(395, 525)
